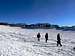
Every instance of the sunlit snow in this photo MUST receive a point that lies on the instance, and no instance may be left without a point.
(15, 41)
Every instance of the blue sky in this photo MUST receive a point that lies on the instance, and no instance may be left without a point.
(61, 12)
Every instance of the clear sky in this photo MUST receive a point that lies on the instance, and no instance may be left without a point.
(61, 12)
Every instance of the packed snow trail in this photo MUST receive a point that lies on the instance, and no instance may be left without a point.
(23, 42)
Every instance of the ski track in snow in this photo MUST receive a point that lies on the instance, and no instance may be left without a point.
(23, 42)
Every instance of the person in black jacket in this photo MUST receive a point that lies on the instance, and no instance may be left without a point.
(58, 40)
(38, 36)
(46, 37)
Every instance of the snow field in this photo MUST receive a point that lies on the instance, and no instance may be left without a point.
(23, 42)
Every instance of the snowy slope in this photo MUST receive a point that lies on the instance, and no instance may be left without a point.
(23, 42)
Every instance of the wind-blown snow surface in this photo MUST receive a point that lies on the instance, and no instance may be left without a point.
(23, 42)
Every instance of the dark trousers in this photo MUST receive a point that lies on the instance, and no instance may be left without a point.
(38, 39)
(59, 43)
(46, 40)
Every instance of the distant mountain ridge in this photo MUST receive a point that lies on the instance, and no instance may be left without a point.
(39, 26)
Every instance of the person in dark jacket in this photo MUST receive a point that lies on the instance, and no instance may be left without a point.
(38, 36)
(58, 40)
(46, 37)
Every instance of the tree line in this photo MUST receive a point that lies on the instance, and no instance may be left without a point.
(39, 26)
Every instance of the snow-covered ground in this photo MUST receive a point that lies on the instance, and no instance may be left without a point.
(15, 41)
